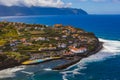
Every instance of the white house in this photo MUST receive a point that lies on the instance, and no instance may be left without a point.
(78, 50)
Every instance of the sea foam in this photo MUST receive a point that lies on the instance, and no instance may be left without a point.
(10, 72)
(110, 49)
(48, 69)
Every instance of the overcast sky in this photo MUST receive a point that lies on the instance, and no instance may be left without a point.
(91, 6)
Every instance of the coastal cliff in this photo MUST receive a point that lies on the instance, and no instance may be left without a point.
(26, 11)
(21, 42)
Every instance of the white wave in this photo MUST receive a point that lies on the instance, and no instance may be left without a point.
(48, 69)
(76, 72)
(10, 72)
(111, 45)
(111, 49)
(64, 76)
(29, 73)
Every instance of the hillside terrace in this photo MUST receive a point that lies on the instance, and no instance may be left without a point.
(34, 38)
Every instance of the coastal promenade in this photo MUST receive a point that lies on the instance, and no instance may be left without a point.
(65, 61)
(76, 59)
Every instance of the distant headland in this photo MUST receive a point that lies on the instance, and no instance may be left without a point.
(28, 11)
(28, 44)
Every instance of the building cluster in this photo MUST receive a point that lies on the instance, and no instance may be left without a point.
(61, 39)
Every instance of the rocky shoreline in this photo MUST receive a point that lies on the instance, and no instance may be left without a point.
(72, 60)
(22, 43)
(78, 58)
(9, 64)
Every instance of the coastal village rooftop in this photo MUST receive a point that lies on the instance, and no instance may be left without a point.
(25, 41)
(77, 50)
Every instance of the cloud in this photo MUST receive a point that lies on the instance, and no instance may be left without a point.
(29, 3)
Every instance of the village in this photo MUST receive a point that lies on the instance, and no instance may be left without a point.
(23, 42)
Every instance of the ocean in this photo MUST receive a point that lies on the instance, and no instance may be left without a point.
(105, 65)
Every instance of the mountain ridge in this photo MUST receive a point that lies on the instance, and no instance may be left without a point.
(25, 11)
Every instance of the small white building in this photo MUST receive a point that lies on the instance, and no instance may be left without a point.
(62, 45)
(41, 38)
(78, 50)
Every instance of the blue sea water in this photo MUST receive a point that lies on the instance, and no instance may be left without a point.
(105, 65)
